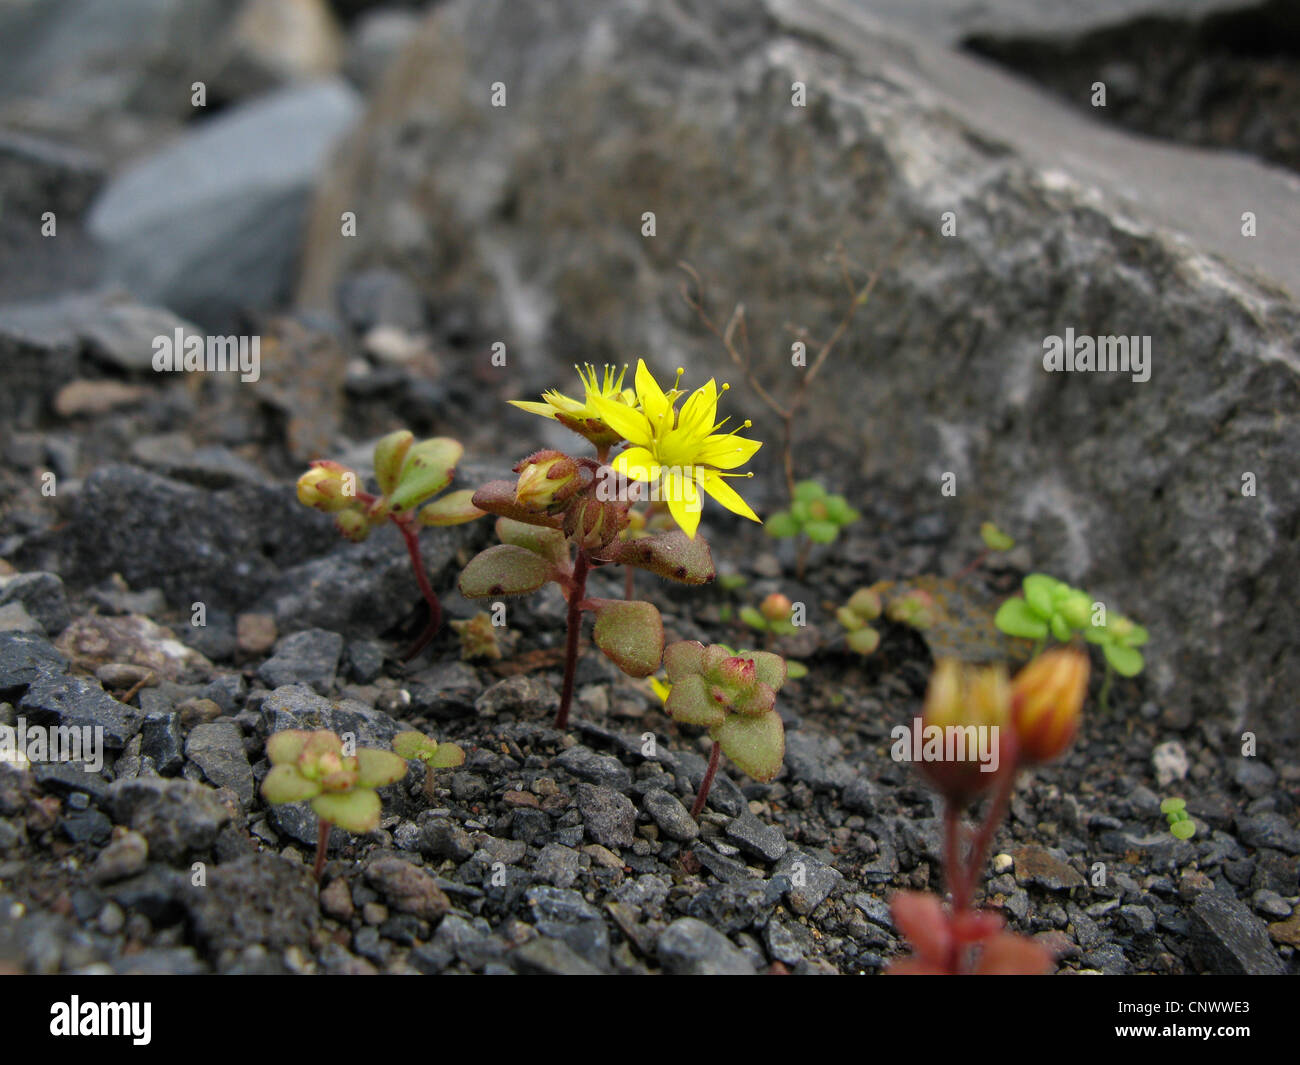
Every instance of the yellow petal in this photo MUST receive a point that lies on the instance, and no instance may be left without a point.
(714, 483)
(656, 405)
(683, 500)
(726, 452)
(699, 411)
(532, 407)
(638, 464)
(630, 424)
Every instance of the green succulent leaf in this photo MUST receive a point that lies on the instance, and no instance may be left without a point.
(414, 745)
(863, 641)
(755, 744)
(504, 570)
(1016, 617)
(799, 512)
(285, 784)
(781, 525)
(1183, 829)
(795, 670)
(753, 617)
(994, 538)
(377, 768)
(849, 619)
(822, 532)
(1136, 637)
(427, 470)
(631, 634)
(839, 511)
(683, 658)
(807, 491)
(390, 452)
(1126, 661)
(672, 555)
(1173, 806)
(355, 811)
(448, 755)
(866, 604)
(692, 703)
(455, 508)
(1040, 591)
(285, 747)
(549, 543)
(1060, 627)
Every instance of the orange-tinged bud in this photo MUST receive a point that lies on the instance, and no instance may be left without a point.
(962, 739)
(776, 607)
(1047, 701)
(327, 486)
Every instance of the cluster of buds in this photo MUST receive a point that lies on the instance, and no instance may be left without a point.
(409, 475)
(578, 491)
(733, 695)
(1028, 720)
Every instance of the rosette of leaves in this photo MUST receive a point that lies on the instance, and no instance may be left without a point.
(409, 475)
(854, 616)
(733, 695)
(315, 767)
(814, 513)
(1181, 824)
(1047, 607)
(478, 637)
(417, 747)
(560, 536)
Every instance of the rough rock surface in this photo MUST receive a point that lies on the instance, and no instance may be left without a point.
(1134, 489)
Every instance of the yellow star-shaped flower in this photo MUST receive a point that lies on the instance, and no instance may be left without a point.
(681, 452)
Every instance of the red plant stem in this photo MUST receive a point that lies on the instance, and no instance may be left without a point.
(412, 537)
(578, 589)
(322, 844)
(973, 565)
(702, 795)
(979, 850)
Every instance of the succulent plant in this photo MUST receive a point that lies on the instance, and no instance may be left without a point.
(417, 747)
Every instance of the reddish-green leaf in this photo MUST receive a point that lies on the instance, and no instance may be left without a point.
(672, 555)
(504, 570)
(631, 634)
(755, 744)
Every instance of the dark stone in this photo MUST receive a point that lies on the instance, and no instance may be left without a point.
(1229, 939)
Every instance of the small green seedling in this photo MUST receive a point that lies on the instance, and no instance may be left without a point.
(995, 540)
(863, 606)
(772, 615)
(1049, 607)
(916, 609)
(733, 695)
(815, 515)
(1119, 639)
(1181, 824)
(409, 476)
(417, 747)
(339, 782)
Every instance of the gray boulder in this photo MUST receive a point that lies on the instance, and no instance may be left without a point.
(209, 224)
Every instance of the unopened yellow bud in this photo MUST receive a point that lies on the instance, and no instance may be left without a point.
(1047, 702)
(327, 486)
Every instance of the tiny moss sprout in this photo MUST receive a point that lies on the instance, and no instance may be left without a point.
(339, 782)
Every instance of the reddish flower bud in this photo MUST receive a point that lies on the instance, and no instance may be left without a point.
(1047, 702)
